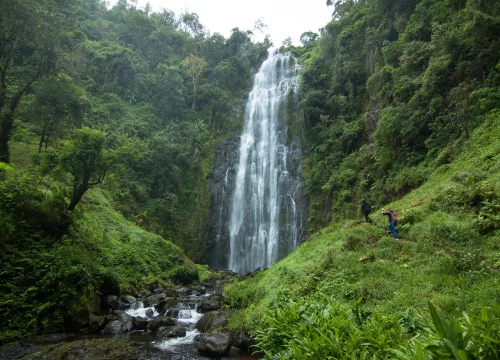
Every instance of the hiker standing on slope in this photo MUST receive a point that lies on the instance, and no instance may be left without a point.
(366, 209)
(393, 221)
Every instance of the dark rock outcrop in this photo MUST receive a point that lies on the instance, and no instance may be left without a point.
(140, 323)
(154, 300)
(76, 322)
(242, 340)
(213, 320)
(127, 302)
(170, 332)
(215, 344)
(124, 323)
(209, 305)
(109, 302)
(173, 312)
(159, 322)
(222, 183)
(164, 305)
(96, 323)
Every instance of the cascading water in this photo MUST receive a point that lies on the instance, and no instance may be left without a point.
(263, 205)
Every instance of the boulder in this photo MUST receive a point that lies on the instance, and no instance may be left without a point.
(215, 344)
(213, 320)
(173, 313)
(96, 323)
(198, 289)
(158, 291)
(143, 294)
(182, 291)
(110, 318)
(159, 322)
(154, 300)
(170, 332)
(149, 312)
(123, 324)
(242, 340)
(114, 327)
(109, 302)
(170, 292)
(204, 323)
(76, 322)
(96, 305)
(220, 319)
(140, 323)
(127, 302)
(209, 305)
(163, 305)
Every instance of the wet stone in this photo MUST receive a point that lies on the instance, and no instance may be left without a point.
(170, 332)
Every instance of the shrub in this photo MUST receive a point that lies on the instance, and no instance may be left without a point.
(185, 274)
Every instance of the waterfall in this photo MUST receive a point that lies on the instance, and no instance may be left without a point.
(263, 206)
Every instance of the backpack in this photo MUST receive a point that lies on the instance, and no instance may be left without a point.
(394, 217)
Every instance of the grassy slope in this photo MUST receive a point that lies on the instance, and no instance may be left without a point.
(134, 255)
(443, 258)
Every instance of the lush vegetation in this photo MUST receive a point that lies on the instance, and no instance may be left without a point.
(109, 118)
(390, 91)
(401, 107)
(372, 292)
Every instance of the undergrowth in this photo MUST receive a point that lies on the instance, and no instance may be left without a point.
(352, 291)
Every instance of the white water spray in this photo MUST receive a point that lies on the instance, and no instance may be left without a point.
(262, 177)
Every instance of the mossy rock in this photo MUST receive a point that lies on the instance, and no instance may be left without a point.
(104, 349)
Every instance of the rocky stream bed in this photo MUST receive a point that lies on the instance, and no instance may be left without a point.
(184, 323)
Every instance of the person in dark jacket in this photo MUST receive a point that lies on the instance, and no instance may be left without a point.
(393, 221)
(366, 209)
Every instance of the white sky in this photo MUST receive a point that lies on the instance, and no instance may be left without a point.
(283, 17)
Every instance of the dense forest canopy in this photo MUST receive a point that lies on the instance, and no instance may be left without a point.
(391, 90)
(155, 77)
(109, 119)
(123, 98)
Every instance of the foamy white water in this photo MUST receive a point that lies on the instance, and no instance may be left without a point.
(141, 311)
(262, 174)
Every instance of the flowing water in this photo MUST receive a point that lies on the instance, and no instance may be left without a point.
(263, 204)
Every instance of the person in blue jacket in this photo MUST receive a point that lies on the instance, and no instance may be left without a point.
(393, 221)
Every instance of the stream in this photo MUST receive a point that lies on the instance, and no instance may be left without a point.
(147, 346)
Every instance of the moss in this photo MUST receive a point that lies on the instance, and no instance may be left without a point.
(105, 349)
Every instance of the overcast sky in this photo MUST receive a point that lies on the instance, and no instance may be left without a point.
(283, 17)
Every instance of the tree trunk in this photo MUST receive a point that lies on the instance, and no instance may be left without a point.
(194, 94)
(6, 127)
(7, 119)
(41, 138)
(77, 196)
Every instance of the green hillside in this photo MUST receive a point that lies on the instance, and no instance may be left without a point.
(448, 255)
(109, 122)
(55, 266)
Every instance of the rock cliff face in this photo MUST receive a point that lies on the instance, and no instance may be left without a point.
(293, 209)
(221, 191)
(258, 207)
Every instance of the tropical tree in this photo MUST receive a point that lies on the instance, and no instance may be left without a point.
(58, 105)
(29, 33)
(88, 156)
(195, 67)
